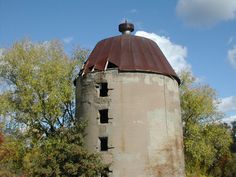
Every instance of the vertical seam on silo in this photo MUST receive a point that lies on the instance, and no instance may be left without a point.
(165, 104)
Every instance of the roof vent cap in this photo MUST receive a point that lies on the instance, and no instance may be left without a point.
(126, 28)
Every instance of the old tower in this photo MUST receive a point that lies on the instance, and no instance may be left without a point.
(129, 94)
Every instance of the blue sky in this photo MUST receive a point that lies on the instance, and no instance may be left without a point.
(197, 34)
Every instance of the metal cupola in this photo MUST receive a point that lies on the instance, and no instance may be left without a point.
(128, 53)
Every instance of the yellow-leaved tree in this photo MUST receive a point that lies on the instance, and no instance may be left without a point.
(42, 137)
(206, 140)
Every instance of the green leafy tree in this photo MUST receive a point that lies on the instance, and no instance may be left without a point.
(62, 156)
(233, 147)
(12, 152)
(230, 166)
(39, 108)
(206, 141)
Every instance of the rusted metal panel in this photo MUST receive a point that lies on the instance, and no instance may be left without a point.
(129, 53)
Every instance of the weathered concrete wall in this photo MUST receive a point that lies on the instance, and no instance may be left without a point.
(145, 129)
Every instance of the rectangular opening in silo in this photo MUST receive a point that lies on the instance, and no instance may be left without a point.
(106, 172)
(104, 175)
(103, 116)
(103, 143)
(103, 89)
(111, 65)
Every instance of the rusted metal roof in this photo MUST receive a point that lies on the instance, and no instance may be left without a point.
(129, 53)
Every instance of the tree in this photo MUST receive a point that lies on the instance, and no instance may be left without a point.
(230, 167)
(206, 141)
(62, 156)
(39, 106)
(233, 147)
(12, 152)
(41, 97)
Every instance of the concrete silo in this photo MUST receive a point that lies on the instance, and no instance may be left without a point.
(129, 94)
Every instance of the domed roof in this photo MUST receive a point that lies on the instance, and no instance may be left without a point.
(128, 53)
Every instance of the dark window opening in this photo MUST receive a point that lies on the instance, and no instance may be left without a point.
(104, 175)
(111, 65)
(103, 116)
(91, 68)
(103, 89)
(103, 143)
(106, 172)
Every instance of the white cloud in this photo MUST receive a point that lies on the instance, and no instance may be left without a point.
(68, 40)
(206, 12)
(232, 56)
(175, 54)
(229, 119)
(228, 104)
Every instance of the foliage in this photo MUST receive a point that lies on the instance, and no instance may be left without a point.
(42, 93)
(206, 141)
(12, 152)
(57, 157)
(230, 166)
(233, 147)
(43, 138)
